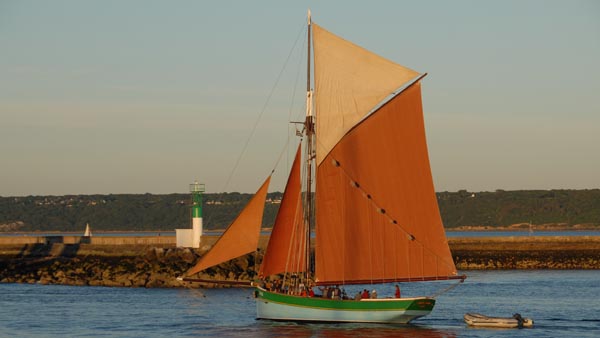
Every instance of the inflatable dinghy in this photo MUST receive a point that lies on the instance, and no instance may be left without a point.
(476, 319)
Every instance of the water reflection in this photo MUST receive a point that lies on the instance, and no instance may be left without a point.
(275, 329)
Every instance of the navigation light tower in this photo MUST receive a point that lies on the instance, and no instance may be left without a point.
(196, 189)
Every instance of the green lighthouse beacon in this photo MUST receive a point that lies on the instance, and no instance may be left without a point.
(196, 189)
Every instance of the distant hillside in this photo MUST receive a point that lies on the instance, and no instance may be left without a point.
(166, 212)
(122, 212)
(504, 208)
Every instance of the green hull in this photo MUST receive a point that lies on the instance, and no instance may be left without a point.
(277, 306)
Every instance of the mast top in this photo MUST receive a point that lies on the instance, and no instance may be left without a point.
(309, 19)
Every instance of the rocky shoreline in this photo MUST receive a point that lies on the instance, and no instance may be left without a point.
(122, 266)
(159, 265)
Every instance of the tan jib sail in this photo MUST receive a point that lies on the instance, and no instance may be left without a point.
(349, 82)
(286, 249)
(241, 237)
(376, 210)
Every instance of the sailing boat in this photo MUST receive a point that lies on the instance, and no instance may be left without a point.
(374, 205)
(88, 231)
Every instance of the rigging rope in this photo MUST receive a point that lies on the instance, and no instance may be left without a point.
(264, 108)
(460, 281)
(292, 101)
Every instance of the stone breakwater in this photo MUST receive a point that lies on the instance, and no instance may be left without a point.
(507, 253)
(112, 265)
(158, 265)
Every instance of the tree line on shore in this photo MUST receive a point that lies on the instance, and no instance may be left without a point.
(150, 212)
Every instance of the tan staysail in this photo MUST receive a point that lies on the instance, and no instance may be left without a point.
(349, 82)
(376, 209)
(241, 237)
(287, 244)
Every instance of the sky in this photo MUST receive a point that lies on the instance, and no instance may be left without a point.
(100, 97)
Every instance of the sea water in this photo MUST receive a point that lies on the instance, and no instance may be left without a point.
(563, 303)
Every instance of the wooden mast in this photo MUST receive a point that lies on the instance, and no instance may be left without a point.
(309, 130)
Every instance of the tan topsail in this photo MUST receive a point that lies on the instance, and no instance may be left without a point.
(241, 237)
(349, 82)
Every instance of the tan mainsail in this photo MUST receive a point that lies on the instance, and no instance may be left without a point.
(377, 213)
(349, 82)
(286, 249)
(241, 237)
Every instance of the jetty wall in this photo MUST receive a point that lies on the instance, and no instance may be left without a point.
(542, 252)
(154, 261)
(97, 240)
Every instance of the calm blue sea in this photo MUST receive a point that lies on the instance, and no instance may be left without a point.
(562, 303)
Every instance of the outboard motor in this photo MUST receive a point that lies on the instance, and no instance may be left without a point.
(520, 319)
